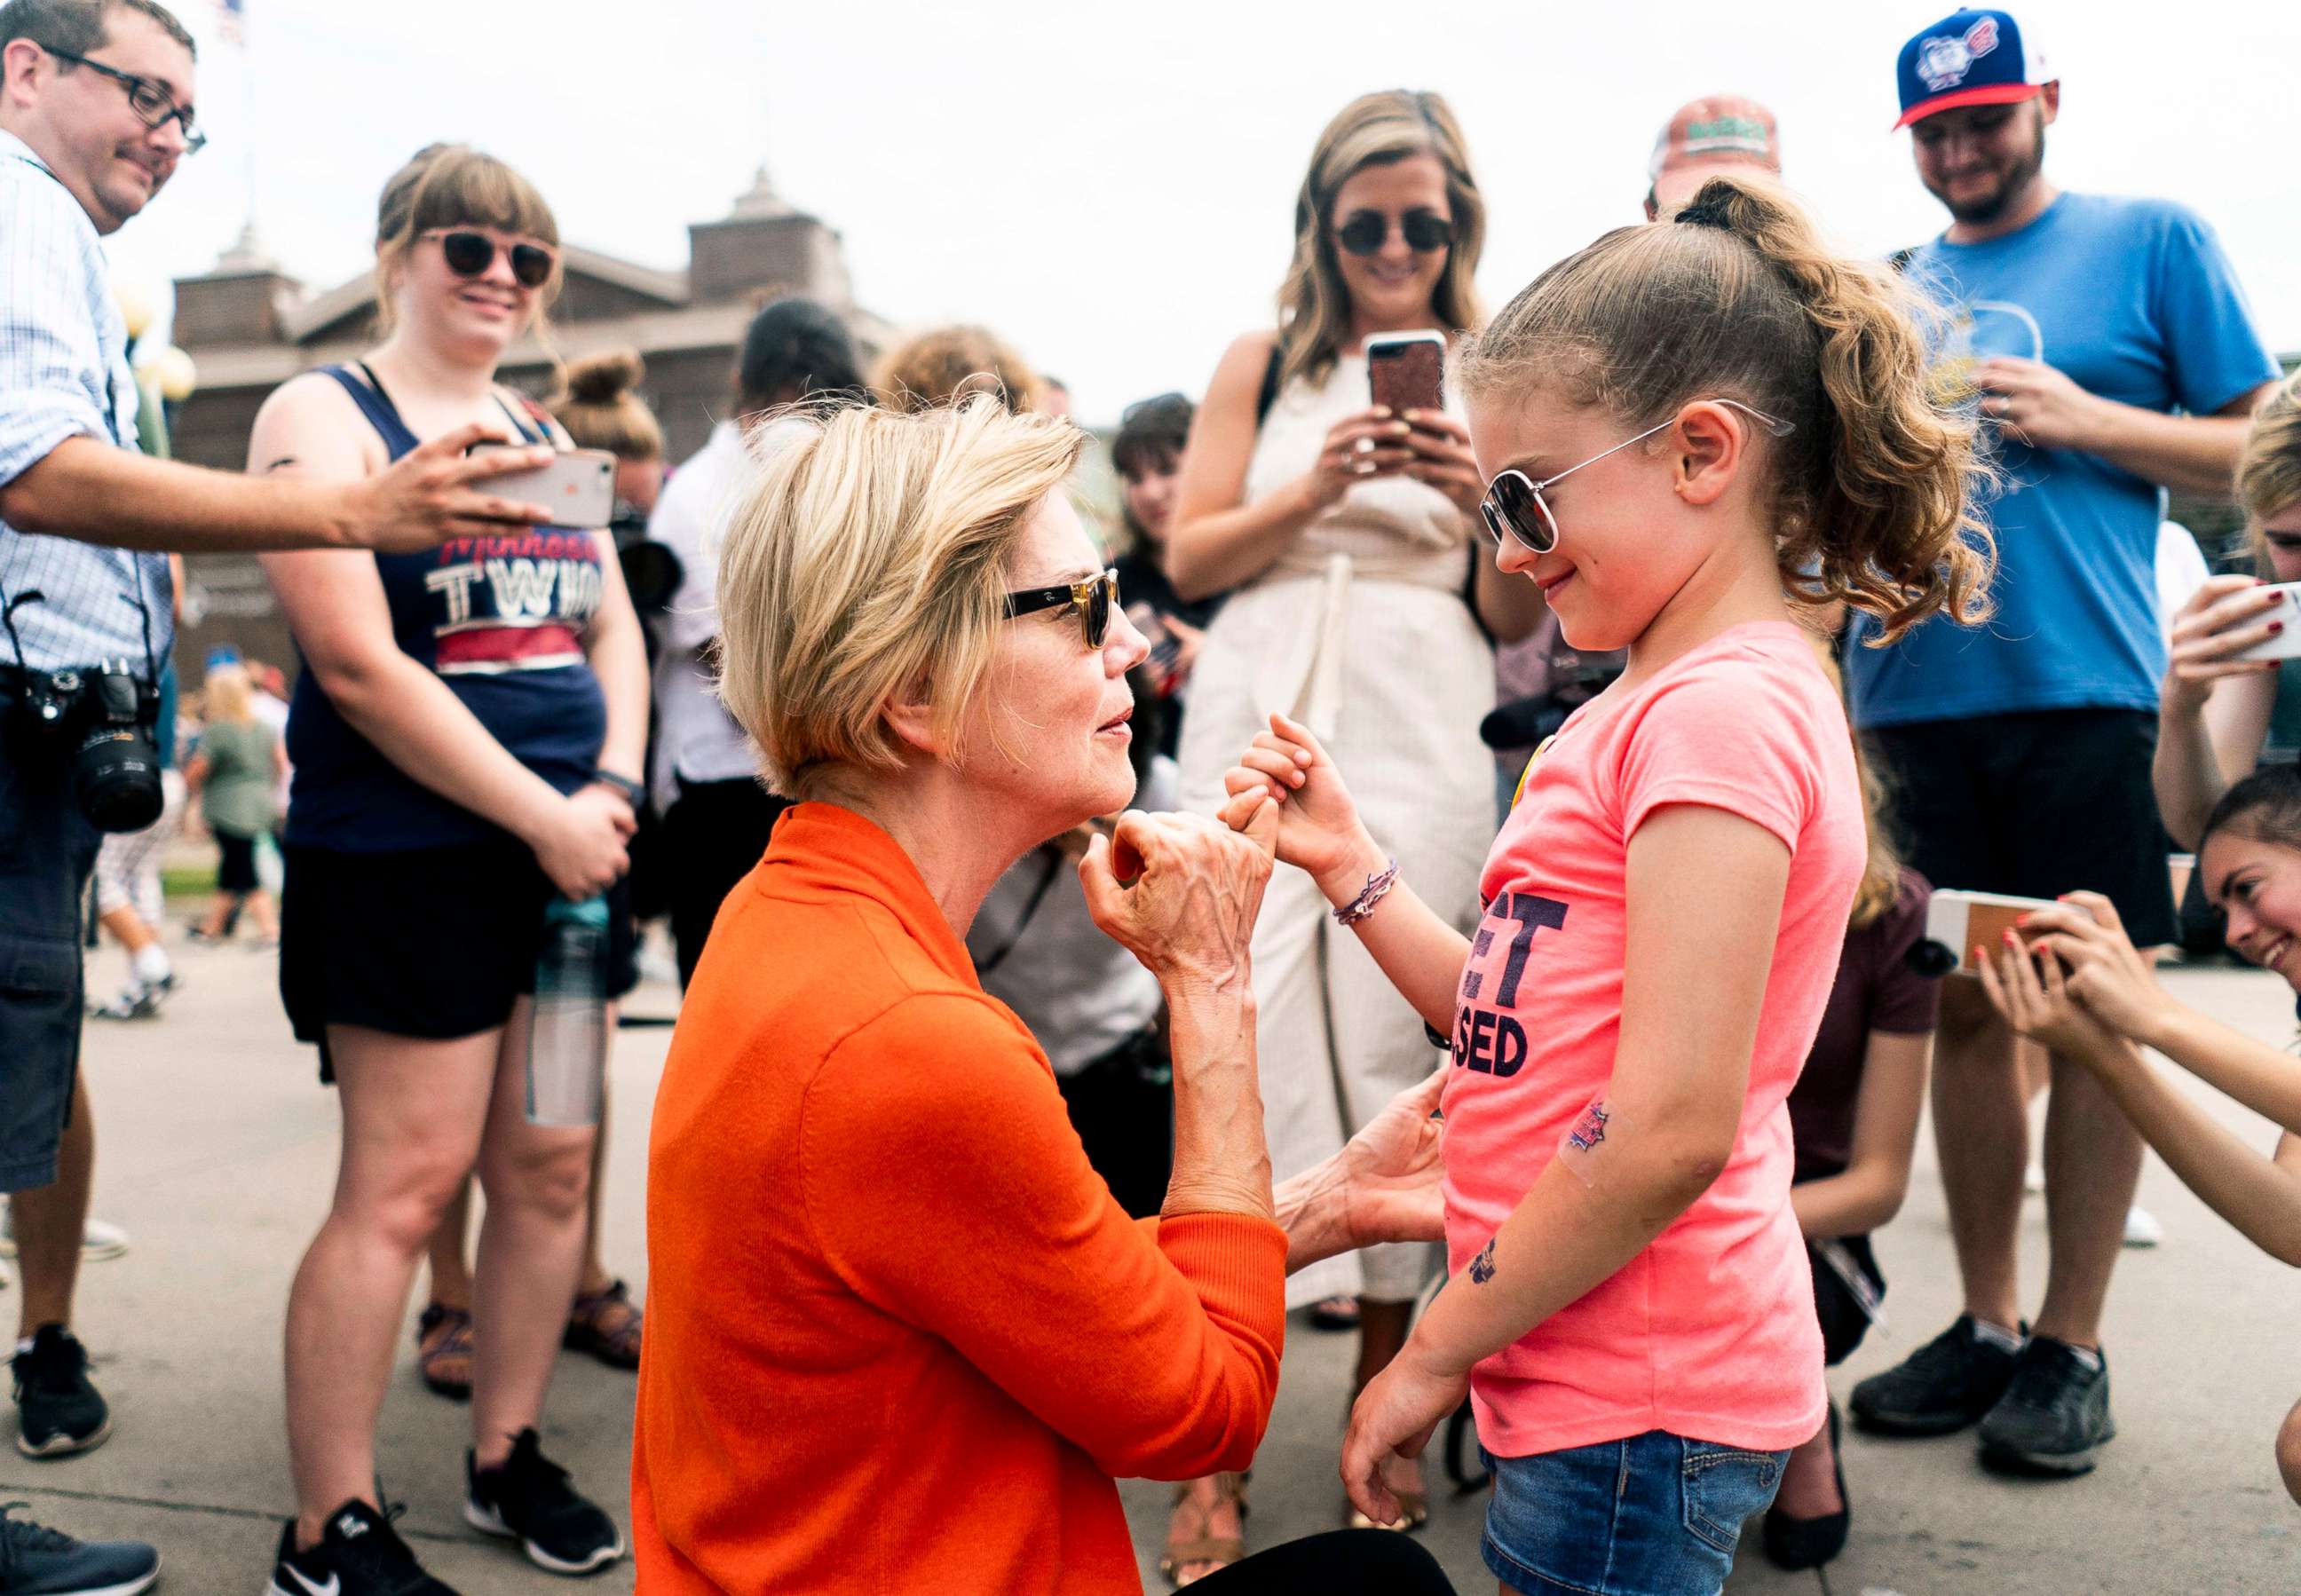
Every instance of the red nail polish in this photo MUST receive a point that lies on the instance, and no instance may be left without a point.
(2275, 627)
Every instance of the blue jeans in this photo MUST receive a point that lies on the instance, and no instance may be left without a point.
(1656, 1514)
(47, 849)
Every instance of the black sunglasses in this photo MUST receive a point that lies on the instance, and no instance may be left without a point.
(469, 254)
(1368, 232)
(154, 106)
(1097, 597)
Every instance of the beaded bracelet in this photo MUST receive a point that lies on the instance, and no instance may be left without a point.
(1376, 889)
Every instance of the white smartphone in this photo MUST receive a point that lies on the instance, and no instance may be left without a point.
(1957, 922)
(578, 486)
(2286, 644)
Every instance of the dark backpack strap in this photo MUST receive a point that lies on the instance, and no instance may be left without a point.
(1269, 395)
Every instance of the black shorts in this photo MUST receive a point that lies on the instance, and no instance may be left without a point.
(430, 942)
(235, 871)
(2035, 805)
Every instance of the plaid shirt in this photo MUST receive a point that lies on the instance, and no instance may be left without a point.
(65, 374)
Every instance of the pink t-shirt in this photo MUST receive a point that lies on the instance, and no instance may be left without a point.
(1709, 1332)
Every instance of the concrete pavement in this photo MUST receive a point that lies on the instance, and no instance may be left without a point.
(216, 1147)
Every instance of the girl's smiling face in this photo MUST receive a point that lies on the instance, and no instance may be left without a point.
(2257, 885)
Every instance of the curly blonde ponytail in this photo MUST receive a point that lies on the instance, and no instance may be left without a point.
(1739, 298)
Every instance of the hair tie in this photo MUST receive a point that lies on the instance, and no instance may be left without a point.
(1708, 211)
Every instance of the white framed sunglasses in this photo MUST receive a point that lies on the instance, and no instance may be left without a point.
(1514, 505)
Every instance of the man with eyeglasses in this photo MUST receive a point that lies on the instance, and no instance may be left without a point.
(96, 111)
(2106, 349)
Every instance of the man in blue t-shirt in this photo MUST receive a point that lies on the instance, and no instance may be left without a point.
(2111, 355)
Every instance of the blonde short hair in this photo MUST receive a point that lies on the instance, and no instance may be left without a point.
(865, 554)
(2269, 469)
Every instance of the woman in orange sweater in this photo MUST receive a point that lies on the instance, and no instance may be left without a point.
(900, 1336)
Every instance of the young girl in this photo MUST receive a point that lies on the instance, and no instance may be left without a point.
(1681, 421)
(2094, 999)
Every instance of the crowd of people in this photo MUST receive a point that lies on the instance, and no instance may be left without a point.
(1097, 943)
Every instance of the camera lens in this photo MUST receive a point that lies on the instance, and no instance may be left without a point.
(116, 779)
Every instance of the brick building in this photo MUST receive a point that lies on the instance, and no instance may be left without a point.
(250, 327)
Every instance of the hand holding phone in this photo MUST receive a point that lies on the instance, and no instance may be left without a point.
(578, 486)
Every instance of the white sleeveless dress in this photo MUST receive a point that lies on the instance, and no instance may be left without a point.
(1360, 631)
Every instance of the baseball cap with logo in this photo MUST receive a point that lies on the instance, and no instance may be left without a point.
(1718, 130)
(1969, 58)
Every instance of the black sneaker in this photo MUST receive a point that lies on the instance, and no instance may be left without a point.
(36, 1560)
(527, 1498)
(1942, 1386)
(2053, 1415)
(58, 1412)
(359, 1554)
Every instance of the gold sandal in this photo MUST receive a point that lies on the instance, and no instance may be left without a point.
(1221, 1551)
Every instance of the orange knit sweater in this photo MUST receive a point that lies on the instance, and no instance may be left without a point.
(900, 1337)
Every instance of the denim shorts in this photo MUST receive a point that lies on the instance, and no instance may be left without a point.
(1656, 1514)
(47, 849)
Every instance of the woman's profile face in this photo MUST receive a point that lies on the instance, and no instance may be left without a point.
(482, 314)
(1392, 287)
(2257, 885)
(1049, 732)
(2281, 533)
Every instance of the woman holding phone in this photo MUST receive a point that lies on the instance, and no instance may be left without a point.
(2220, 715)
(1347, 531)
(467, 737)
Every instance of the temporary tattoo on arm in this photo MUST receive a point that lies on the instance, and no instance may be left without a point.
(283, 460)
(1585, 1137)
(1482, 1267)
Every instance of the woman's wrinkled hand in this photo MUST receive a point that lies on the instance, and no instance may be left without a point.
(1395, 1413)
(1391, 1170)
(1180, 891)
(1317, 830)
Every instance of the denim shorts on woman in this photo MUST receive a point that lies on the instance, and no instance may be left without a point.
(1656, 1514)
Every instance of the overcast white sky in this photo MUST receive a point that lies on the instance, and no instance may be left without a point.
(1111, 185)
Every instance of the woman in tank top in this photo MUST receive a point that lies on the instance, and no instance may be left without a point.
(1349, 536)
(467, 735)
(2220, 715)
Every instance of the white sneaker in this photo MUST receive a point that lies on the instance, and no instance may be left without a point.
(100, 1240)
(2141, 1227)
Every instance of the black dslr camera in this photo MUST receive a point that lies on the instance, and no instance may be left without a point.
(101, 721)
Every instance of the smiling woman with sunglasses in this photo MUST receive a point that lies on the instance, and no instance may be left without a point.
(1352, 539)
(467, 734)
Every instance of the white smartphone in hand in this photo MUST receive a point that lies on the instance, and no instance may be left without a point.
(578, 486)
(2286, 644)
